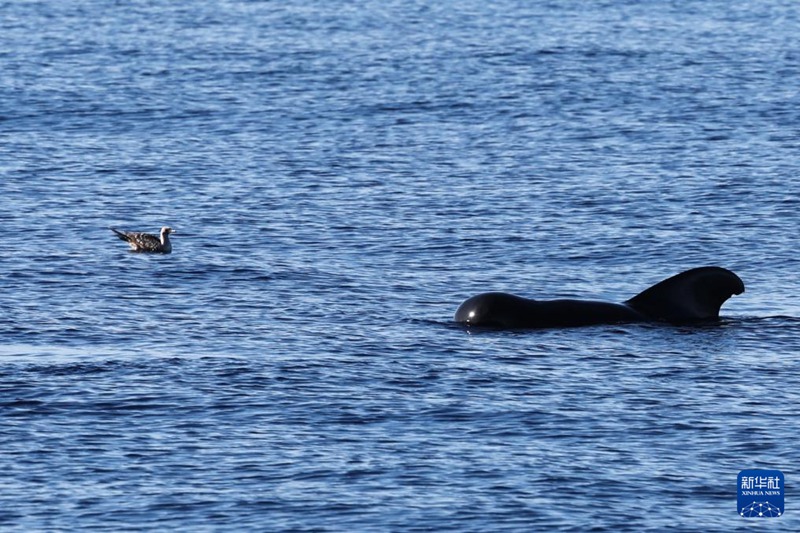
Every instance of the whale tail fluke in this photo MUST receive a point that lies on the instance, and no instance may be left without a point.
(693, 295)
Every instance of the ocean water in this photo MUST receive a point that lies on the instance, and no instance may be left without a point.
(341, 176)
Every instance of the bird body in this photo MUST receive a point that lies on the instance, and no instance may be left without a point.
(147, 243)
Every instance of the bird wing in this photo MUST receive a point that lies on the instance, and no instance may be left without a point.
(139, 240)
(144, 241)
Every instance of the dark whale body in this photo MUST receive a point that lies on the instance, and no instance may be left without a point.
(692, 296)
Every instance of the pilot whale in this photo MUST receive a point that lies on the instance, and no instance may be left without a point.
(692, 296)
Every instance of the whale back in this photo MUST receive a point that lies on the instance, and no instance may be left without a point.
(693, 295)
(502, 310)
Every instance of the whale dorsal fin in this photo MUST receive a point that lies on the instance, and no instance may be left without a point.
(696, 294)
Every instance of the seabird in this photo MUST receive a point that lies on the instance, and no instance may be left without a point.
(145, 242)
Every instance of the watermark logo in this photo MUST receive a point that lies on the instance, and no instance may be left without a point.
(761, 493)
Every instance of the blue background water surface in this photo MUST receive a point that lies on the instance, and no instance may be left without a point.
(342, 175)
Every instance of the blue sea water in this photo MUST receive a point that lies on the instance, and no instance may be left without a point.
(341, 176)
